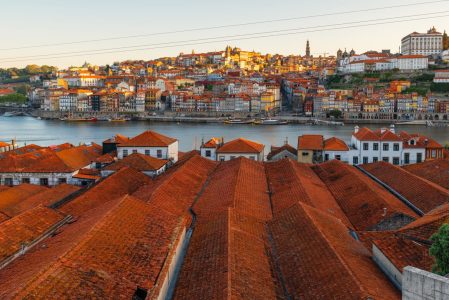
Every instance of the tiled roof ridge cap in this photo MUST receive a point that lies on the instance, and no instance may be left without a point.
(337, 254)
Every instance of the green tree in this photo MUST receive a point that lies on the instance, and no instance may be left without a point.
(335, 113)
(440, 250)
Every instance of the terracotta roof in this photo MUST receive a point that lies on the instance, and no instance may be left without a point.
(13, 196)
(241, 145)
(319, 259)
(365, 203)
(107, 158)
(126, 249)
(436, 171)
(403, 252)
(212, 143)
(277, 150)
(240, 184)
(424, 227)
(365, 134)
(139, 162)
(310, 142)
(335, 144)
(45, 197)
(148, 139)
(123, 182)
(424, 194)
(117, 139)
(228, 259)
(292, 182)
(79, 157)
(26, 228)
(18, 274)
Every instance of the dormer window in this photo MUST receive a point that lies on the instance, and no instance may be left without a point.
(412, 142)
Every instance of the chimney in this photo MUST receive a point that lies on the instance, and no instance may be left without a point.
(392, 128)
(356, 129)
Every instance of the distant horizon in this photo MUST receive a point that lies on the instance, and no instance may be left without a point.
(167, 34)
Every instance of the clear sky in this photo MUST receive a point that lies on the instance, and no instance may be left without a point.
(36, 22)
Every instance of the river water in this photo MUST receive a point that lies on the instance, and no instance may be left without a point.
(50, 132)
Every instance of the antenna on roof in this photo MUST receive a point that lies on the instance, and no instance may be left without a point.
(286, 140)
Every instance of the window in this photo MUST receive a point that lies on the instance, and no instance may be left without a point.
(147, 152)
(159, 153)
(337, 157)
(396, 161)
(25, 180)
(8, 181)
(385, 159)
(406, 158)
(125, 153)
(386, 147)
(434, 153)
(134, 151)
(418, 157)
(365, 146)
(208, 153)
(375, 159)
(395, 147)
(365, 160)
(62, 180)
(355, 160)
(305, 153)
(43, 181)
(222, 158)
(326, 157)
(375, 146)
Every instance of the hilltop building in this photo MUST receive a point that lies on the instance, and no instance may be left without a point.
(430, 43)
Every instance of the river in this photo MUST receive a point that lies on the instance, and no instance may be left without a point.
(49, 132)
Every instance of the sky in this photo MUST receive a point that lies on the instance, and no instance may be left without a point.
(25, 23)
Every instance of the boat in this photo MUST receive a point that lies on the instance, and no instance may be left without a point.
(238, 121)
(119, 119)
(80, 119)
(270, 122)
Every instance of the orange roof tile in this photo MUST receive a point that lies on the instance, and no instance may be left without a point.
(148, 139)
(17, 194)
(424, 194)
(26, 228)
(123, 182)
(239, 184)
(335, 144)
(310, 142)
(241, 145)
(44, 197)
(292, 182)
(227, 259)
(139, 162)
(436, 171)
(366, 204)
(319, 258)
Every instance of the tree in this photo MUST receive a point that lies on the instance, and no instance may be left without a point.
(440, 250)
(335, 113)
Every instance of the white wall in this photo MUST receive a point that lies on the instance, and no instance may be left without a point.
(213, 154)
(420, 284)
(170, 152)
(229, 156)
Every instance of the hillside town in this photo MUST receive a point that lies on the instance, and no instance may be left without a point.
(375, 85)
(137, 218)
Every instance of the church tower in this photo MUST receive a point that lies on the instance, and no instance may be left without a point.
(308, 49)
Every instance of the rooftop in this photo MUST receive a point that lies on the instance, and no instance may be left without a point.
(241, 145)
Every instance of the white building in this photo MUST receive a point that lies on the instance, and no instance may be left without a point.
(150, 143)
(209, 149)
(441, 76)
(383, 145)
(430, 43)
(240, 148)
(146, 164)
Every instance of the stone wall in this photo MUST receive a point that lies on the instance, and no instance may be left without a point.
(419, 284)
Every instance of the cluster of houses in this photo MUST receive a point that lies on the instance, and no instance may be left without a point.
(153, 153)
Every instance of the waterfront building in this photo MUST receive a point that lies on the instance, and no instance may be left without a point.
(314, 149)
(4, 147)
(209, 148)
(441, 76)
(146, 164)
(430, 43)
(282, 152)
(150, 143)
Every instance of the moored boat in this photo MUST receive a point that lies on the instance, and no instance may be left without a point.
(238, 121)
(270, 122)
